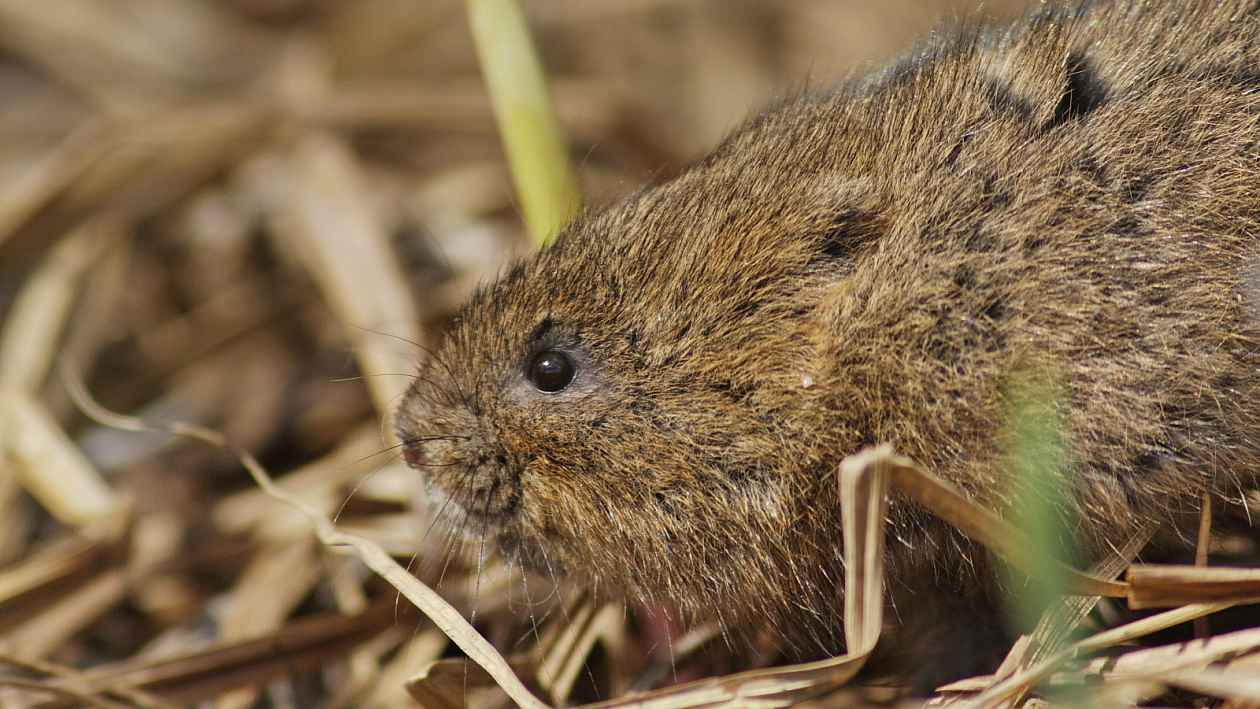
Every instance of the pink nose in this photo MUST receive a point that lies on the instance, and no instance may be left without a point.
(413, 453)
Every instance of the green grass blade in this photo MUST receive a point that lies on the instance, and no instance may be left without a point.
(1040, 486)
(1040, 489)
(536, 148)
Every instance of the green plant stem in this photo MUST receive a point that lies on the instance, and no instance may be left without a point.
(536, 149)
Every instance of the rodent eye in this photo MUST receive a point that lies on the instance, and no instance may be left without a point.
(551, 371)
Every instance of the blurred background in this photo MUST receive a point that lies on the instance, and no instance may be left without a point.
(226, 212)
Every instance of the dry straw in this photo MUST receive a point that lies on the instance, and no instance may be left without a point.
(256, 216)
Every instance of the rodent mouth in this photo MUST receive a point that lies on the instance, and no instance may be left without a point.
(496, 501)
(490, 514)
(479, 500)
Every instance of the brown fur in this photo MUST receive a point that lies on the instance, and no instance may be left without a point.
(1081, 191)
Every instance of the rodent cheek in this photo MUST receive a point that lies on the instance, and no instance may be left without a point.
(514, 441)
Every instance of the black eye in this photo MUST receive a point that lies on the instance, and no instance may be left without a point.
(551, 371)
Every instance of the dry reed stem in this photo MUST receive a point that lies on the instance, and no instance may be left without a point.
(1164, 585)
(48, 463)
(340, 241)
(28, 340)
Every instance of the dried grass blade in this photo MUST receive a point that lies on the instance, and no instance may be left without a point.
(78, 697)
(1057, 623)
(61, 560)
(391, 688)
(22, 199)
(424, 598)
(205, 673)
(271, 587)
(1004, 692)
(1157, 661)
(1170, 585)
(49, 465)
(340, 238)
(32, 328)
(1238, 687)
(563, 661)
(316, 482)
(981, 525)
(454, 683)
(54, 625)
(73, 681)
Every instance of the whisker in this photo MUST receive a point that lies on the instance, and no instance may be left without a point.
(360, 482)
(529, 602)
(453, 540)
(435, 465)
(436, 437)
(481, 550)
(361, 377)
(555, 584)
(460, 481)
(669, 644)
(457, 537)
(426, 380)
(382, 451)
(432, 355)
(391, 335)
(511, 564)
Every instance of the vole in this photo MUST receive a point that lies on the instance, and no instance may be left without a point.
(656, 404)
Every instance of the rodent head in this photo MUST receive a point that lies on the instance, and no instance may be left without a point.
(622, 407)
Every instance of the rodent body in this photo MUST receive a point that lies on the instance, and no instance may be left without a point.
(1080, 192)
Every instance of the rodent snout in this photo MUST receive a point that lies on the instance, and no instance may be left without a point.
(413, 453)
(465, 470)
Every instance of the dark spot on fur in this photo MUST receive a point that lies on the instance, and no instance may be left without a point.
(730, 390)
(1003, 101)
(1095, 170)
(1148, 461)
(833, 245)
(1127, 225)
(995, 311)
(965, 277)
(1034, 243)
(1083, 94)
(1138, 187)
(995, 197)
(850, 231)
(951, 158)
(738, 475)
(746, 308)
(978, 240)
(665, 502)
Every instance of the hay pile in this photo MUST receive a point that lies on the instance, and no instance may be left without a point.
(242, 214)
